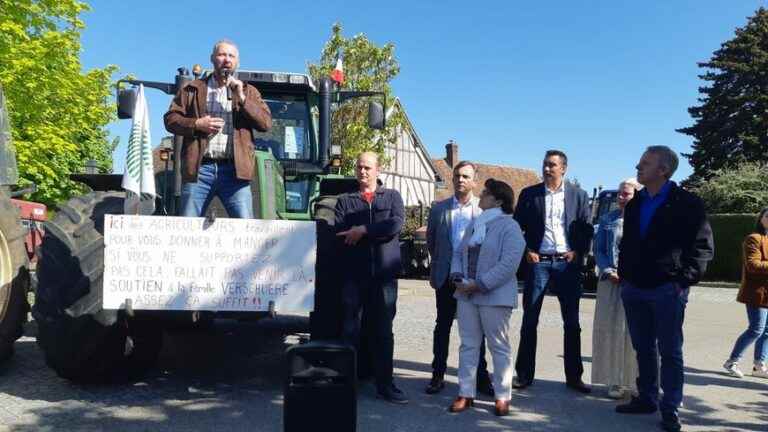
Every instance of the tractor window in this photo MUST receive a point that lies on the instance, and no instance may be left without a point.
(289, 138)
(606, 204)
(296, 195)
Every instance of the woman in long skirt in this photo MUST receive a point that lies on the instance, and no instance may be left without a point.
(614, 363)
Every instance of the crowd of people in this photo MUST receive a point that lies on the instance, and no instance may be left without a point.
(649, 252)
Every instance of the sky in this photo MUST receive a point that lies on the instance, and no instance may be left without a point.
(507, 80)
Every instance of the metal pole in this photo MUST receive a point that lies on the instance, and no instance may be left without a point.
(166, 183)
(325, 121)
(178, 141)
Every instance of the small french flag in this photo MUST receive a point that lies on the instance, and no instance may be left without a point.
(337, 74)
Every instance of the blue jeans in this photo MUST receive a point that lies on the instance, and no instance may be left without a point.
(655, 319)
(217, 178)
(566, 284)
(757, 332)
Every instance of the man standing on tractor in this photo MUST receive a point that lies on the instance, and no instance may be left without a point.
(216, 116)
(368, 223)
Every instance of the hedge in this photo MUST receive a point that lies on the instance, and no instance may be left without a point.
(729, 231)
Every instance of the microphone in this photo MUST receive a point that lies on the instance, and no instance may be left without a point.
(227, 73)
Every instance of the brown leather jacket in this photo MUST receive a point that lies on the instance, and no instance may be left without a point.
(190, 104)
(754, 275)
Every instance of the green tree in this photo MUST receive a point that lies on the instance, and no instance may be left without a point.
(367, 67)
(739, 189)
(58, 112)
(731, 124)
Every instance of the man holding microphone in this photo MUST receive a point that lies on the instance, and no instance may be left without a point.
(215, 116)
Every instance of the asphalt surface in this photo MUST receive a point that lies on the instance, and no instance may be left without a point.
(231, 379)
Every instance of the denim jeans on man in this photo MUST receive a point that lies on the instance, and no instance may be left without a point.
(567, 286)
(655, 319)
(217, 178)
(757, 332)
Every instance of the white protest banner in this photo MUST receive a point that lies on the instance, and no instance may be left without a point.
(181, 263)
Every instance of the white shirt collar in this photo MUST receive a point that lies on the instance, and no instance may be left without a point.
(456, 204)
(558, 190)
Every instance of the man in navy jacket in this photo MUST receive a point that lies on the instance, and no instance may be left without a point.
(368, 224)
(555, 218)
(665, 248)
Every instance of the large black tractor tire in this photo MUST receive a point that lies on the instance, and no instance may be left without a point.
(83, 342)
(14, 277)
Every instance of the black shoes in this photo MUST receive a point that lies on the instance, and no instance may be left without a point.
(636, 406)
(579, 386)
(520, 383)
(392, 394)
(670, 422)
(436, 385)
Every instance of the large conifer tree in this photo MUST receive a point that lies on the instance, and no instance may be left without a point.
(731, 124)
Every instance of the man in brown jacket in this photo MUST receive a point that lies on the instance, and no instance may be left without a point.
(216, 117)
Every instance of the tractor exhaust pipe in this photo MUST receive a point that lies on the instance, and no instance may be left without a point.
(325, 121)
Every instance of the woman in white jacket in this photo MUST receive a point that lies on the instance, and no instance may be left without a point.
(486, 290)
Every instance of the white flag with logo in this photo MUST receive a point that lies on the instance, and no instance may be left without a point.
(139, 178)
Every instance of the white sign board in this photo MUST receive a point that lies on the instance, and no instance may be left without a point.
(181, 263)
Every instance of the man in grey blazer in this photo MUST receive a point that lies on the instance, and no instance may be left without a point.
(445, 228)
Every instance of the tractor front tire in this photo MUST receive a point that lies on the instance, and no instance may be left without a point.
(83, 342)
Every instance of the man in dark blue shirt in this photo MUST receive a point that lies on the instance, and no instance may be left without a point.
(369, 223)
(666, 245)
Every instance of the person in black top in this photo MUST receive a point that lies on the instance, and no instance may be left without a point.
(368, 224)
(554, 216)
(666, 245)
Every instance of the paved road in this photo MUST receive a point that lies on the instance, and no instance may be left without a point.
(226, 380)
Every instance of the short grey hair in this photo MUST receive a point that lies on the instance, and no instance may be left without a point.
(224, 42)
(371, 154)
(667, 158)
(632, 181)
(465, 163)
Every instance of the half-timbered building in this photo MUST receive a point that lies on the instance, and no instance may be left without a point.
(410, 171)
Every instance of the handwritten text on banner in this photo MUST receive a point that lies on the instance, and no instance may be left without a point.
(180, 263)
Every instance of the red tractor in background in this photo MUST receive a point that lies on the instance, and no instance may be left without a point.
(33, 215)
(20, 233)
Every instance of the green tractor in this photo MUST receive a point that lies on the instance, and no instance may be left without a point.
(296, 178)
(14, 262)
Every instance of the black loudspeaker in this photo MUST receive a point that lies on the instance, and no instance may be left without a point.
(320, 388)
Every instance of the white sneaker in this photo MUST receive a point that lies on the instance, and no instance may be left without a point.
(615, 392)
(760, 371)
(733, 368)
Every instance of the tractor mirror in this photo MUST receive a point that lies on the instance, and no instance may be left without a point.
(126, 100)
(375, 116)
